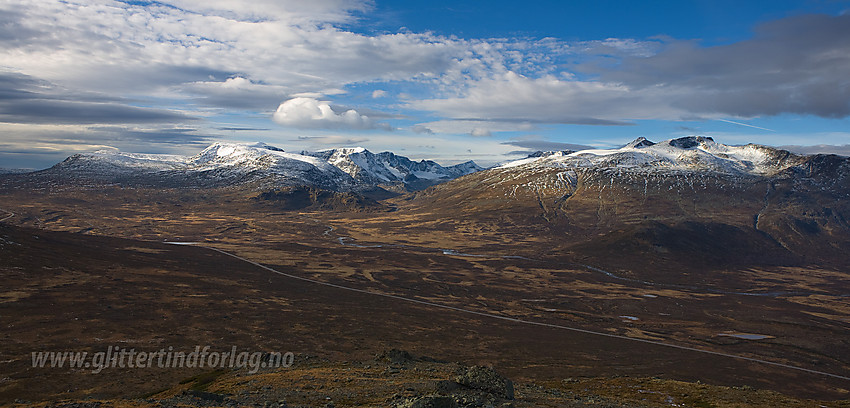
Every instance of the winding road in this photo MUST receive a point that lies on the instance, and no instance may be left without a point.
(9, 215)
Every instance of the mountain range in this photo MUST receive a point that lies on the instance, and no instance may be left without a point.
(673, 202)
(223, 164)
(357, 169)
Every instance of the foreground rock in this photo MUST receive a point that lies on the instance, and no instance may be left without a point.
(486, 379)
(399, 379)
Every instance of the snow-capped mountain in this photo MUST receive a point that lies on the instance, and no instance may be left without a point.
(387, 167)
(687, 154)
(345, 169)
(680, 202)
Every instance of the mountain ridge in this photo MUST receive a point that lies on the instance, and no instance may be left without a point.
(222, 164)
(685, 154)
(350, 169)
(668, 204)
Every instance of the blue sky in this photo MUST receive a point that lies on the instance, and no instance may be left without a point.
(443, 80)
(714, 21)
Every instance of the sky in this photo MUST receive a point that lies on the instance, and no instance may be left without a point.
(450, 81)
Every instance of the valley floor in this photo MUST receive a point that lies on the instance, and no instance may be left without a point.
(84, 277)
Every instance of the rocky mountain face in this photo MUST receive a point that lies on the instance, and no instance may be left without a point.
(226, 164)
(674, 204)
(387, 168)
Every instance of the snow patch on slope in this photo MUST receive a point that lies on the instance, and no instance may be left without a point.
(693, 153)
(339, 169)
(387, 167)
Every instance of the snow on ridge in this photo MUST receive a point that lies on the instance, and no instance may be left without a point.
(136, 160)
(343, 167)
(233, 152)
(694, 153)
(387, 167)
(345, 150)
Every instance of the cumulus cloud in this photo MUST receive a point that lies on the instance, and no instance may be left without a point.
(310, 113)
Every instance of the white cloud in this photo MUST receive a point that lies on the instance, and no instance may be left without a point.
(113, 46)
(332, 140)
(235, 92)
(421, 129)
(291, 10)
(472, 127)
(310, 113)
(480, 132)
(619, 47)
(550, 99)
(318, 94)
(158, 48)
(379, 93)
(792, 65)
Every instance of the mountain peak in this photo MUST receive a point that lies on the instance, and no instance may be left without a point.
(262, 145)
(691, 142)
(640, 142)
(462, 169)
(218, 152)
(547, 153)
(230, 148)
